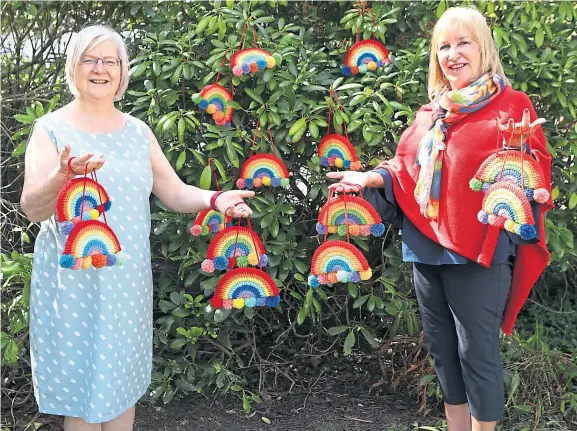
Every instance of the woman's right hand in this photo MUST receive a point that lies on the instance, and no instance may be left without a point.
(78, 164)
(349, 181)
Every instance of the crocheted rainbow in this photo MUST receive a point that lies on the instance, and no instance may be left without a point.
(350, 213)
(69, 202)
(91, 243)
(208, 221)
(234, 246)
(338, 261)
(263, 170)
(212, 99)
(337, 151)
(517, 167)
(245, 287)
(365, 55)
(251, 60)
(506, 206)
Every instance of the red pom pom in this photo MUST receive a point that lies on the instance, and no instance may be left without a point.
(195, 230)
(218, 116)
(253, 66)
(354, 70)
(231, 262)
(99, 261)
(333, 278)
(240, 183)
(257, 182)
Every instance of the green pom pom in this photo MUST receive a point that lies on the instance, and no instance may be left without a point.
(342, 230)
(242, 261)
(196, 98)
(475, 185)
(204, 230)
(284, 182)
(278, 58)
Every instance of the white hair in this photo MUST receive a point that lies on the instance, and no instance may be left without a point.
(87, 39)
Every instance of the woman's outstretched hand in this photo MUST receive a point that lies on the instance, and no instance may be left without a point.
(78, 165)
(232, 203)
(349, 181)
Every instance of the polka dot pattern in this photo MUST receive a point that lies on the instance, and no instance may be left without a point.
(91, 330)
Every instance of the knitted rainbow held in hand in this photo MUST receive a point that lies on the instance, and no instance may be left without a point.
(350, 213)
(365, 55)
(92, 243)
(338, 261)
(234, 246)
(245, 287)
(208, 221)
(512, 166)
(336, 150)
(263, 170)
(213, 99)
(506, 206)
(251, 60)
(69, 202)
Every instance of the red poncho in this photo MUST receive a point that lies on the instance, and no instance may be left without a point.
(469, 143)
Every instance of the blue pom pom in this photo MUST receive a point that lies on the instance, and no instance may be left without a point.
(485, 187)
(203, 104)
(261, 63)
(483, 217)
(263, 260)
(346, 70)
(260, 302)
(275, 182)
(248, 183)
(110, 260)
(66, 227)
(313, 281)
(220, 263)
(321, 229)
(66, 261)
(250, 302)
(273, 301)
(529, 193)
(346, 164)
(107, 205)
(527, 231)
(246, 68)
(325, 161)
(355, 277)
(378, 229)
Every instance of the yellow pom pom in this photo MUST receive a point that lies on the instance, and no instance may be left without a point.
(333, 229)
(252, 259)
(94, 214)
(238, 303)
(266, 181)
(510, 225)
(86, 262)
(365, 275)
(270, 62)
(372, 65)
(211, 109)
(339, 162)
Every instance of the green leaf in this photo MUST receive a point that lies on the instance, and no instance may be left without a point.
(180, 161)
(349, 343)
(205, 178)
(233, 104)
(539, 36)
(297, 126)
(572, 201)
(369, 337)
(254, 95)
(336, 330)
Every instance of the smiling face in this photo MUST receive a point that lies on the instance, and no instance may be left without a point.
(99, 81)
(459, 57)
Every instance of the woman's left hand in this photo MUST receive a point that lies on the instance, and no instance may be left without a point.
(232, 203)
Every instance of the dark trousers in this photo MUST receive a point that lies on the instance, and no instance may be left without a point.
(461, 309)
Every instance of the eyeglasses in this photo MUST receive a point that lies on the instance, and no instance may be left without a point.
(107, 62)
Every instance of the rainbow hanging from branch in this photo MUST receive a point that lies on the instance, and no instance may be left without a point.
(92, 243)
(209, 221)
(69, 202)
(213, 98)
(507, 207)
(337, 151)
(338, 262)
(234, 246)
(516, 167)
(365, 55)
(245, 287)
(251, 60)
(350, 213)
(263, 170)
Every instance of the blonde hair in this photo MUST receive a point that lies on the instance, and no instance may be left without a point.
(472, 20)
(87, 39)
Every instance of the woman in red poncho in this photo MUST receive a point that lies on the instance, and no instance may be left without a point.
(469, 185)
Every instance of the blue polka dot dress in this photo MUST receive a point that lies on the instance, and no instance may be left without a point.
(91, 329)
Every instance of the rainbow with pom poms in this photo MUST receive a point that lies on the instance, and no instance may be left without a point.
(364, 56)
(80, 199)
(212, 99)
(351, 215)
(236, 246)
(338, 261)
(245, 287)
(251, 60)
(263, 170)
(92, 243)
(209, 221)
(337, 151)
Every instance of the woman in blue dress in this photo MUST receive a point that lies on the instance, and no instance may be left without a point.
(91, 329)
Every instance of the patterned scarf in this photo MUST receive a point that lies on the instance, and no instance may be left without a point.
(450, 107)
